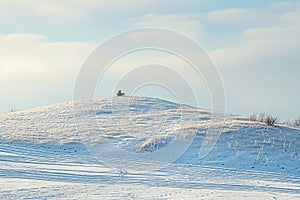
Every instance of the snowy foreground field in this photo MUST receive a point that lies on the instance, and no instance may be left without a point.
(98, 149)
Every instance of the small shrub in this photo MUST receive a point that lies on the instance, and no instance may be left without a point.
(294, 123)
(270, 120)
(262, 117)
(297, 122)
(252, 117)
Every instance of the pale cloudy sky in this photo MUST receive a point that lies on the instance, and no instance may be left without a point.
(255, 45)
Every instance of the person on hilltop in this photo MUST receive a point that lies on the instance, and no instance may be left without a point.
(120, 93)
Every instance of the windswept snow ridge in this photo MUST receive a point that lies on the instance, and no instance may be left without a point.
(47, 152)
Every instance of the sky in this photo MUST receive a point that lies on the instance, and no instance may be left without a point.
(254, 44)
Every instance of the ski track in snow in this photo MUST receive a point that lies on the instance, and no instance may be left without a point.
(42, 155)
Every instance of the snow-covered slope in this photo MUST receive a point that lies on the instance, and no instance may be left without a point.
(47, 152)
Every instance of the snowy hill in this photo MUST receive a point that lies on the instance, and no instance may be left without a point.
(64, 150)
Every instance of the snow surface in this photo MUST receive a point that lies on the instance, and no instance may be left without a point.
(47, 153)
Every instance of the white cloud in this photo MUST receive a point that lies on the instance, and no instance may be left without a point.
(31, 67)
(20, 38)
(260, 43)
(261, 68)
(65, 9)
(185, 24)
(239, 16)
(290, 18)
(229, 14)
(282, 5)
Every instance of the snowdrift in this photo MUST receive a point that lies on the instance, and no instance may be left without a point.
(53, 143)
